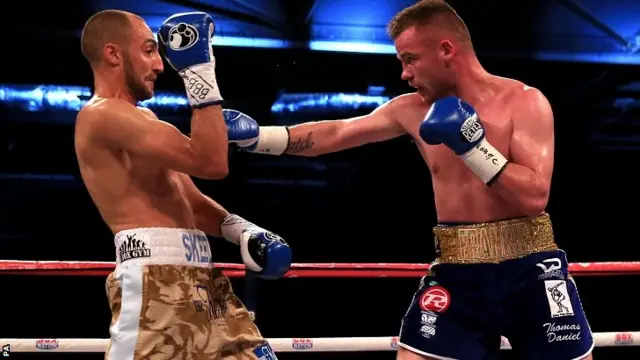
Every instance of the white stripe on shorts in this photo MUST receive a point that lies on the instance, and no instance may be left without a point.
(124, 332)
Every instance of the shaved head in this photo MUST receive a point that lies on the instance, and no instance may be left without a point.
(104, 27)
(436, 13)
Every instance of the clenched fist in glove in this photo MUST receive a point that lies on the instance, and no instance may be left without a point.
(454, 123)
(262, 251)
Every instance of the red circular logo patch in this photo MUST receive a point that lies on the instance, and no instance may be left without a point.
(435, 299)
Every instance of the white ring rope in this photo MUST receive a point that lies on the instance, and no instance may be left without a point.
(383, 343)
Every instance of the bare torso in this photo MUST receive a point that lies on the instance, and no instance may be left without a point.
(130, 192)
(459, 194)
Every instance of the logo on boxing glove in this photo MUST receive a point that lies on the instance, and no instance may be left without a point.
(273, 237)
(182, 37)
(471, 129)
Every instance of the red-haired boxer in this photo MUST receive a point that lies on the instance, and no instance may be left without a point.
(167, 299)
(489, 144)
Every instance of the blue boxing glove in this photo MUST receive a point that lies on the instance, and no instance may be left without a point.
(262, 251)
(249, 136)
(185, 42)
(454, 123)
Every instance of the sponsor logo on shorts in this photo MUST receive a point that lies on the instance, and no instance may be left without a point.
(301, 344)
(435, 299)
(428, 331)
(624, 339)
(565, 332)
(47, 344)
(552, 269)
(428, 321)
(196, 248)
(558, 298)
(428, 318)
(133, 248)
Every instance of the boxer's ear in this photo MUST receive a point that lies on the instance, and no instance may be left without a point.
(446, 50)
(112, 54)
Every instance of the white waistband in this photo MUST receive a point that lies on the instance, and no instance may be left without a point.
(162, 246)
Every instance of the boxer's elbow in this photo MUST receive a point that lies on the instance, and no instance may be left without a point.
(211, 168)
(214, 171)
(534, 207)
(534, 201)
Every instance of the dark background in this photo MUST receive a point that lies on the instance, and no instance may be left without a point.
(371, 204)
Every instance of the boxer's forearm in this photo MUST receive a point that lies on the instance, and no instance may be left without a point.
(209, 215)
(314, 138)
(209, 139)
(522, 187)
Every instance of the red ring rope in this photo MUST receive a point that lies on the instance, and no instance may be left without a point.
(323, 270)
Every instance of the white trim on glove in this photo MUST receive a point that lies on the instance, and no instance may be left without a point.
(201, 84)
(244, 253)
(237, 230)
(484, 160)
(273, 140)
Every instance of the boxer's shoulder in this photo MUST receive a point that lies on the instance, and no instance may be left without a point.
(407, 106)
(516, 91)
(148, 112)
(109, 120)
(100, 108)
(407, 100)
(528, 102)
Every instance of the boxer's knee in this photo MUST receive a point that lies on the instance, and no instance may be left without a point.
(404, 354)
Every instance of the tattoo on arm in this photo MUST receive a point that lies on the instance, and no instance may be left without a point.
(300, 144)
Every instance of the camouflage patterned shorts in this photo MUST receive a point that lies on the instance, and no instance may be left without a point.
(175, 309)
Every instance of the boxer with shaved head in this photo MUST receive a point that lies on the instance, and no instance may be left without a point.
(167, 299)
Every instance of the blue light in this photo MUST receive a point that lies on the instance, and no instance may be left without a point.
(597, 58)
(352, 47)
(62, 97)
(251, 42)
(325, 101)
(35, 98)
(166, 101)
(37, 177)
(375, 90)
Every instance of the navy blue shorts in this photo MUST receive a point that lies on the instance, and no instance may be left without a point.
(461, 311)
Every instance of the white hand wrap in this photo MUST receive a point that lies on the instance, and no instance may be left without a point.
(238, 231)
(233, 226)
(201, 84)
(484, 160)
(273, 140)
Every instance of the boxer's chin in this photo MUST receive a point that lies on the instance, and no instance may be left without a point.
(145, 91)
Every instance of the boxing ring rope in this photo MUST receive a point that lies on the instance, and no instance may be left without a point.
(306, 270)
(313, 270)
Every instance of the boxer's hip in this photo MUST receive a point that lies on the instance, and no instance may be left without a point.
(167, 298)
(494, 242)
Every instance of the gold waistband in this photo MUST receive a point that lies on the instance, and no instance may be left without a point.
(494, 242)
